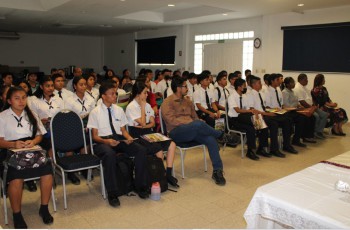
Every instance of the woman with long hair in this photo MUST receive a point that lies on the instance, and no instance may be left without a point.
(21, 128)
(141, 121)
(321, 98)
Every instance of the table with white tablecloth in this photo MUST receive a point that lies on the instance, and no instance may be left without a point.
(306, 199)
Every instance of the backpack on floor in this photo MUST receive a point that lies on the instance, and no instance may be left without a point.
(125, 175)
(157, 172)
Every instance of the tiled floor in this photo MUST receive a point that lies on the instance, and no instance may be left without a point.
(199, 203)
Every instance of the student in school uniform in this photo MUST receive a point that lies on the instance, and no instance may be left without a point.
(21, 128)
(108, 122)
(240, 114)
(141, 121)
(192, 85)
(117, 82)
(33, 82)
(149, 75)
(221, 94)
(164, 84)
(258, 102)
(232, 77)
(204, 102)
(265, 84)
(7, 79)
(58, 83)
(91, 91)
(274, 99)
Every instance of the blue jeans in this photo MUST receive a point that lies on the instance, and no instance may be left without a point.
(321, 120)
(202, 133)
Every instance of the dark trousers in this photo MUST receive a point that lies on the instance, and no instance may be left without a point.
(244, 123)
(299, 122)
(274, 123)
(309, 127)
(108, 156)
(210, 121)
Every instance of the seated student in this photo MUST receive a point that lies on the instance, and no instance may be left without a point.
(141, 116)
(305, 99)
(58, 83)
(7, 79)
(46, 105)
(274, 99)
(204, 102)
(149, 75)
(3, 92)
(258, 102)
(107, 122)
(91, 91)
(210, 77)
(183, 125)
(124, 82)
(265, 84)
(192, 85)
(21, 128)
(33, 82)
(290, 100)
(164, 83)
(232, 77)
(247, 72)
(240, 118)
(221, 94)
(321, 99)
(221, 73)
(109, 74)
(119, 90)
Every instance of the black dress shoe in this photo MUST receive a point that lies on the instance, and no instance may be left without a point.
(251, 155)
(113, 200)
(298, 143)
(172, 181)
(277, 153)
(46, 216)
(337, 134)
(263, 153)
(290, 149)
(73, 178)
(31, 186)
(309, 140)
(342, 134)
(143, 193)
(18, 221)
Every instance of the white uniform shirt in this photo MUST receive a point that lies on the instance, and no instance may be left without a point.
(69, 85)
(191, 89)
(230, 88)
(289, 98)
(14, 127)
(94, 94)
(199, 97)
(133, 112)
(234, 102)
(169, 91)
(255, 100)
(46, 109)
(264, 88)
(224, 94)
(65, 94)
(162, 86)
(271, 99)
(153, 86)
(120, 91)
(211, 86)
(303, 93)
(99, 119)
(81, 107)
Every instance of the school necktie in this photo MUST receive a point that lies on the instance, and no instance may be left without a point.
(90, 93)
(110, 122)
(262, 102)
(225, 94)
(60, 94)
(19, 124)
(49, 104)
(193, 88)
(167, 84)
(207, 99)
(82, 104)
(240, 102)
(278, 99)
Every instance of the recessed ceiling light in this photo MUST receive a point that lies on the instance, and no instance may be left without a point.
(224, 14)
(171, 5)
(83, 11)
(122, 0)
(301, 4)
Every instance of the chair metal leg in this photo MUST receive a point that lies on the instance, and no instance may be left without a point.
(205, 159)
(4, 199)
(102, 182)
(64, 189)
(242, 144)
(53, 199)
(182, 155)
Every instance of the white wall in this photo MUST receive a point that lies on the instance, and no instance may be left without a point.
(272, 47)
(48, 51)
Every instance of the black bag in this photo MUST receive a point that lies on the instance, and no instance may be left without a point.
(26, 159)
(125, 175)
(157, 172)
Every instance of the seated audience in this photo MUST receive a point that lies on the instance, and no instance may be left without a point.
(33, 81)
(91, 91)
(58, 83)
(221, 93)
(232, 77)
(7, 79)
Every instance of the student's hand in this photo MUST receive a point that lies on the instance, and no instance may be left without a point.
(218, 114)
(128, 142)
(255, 112)
(270, 114)
(19, 144)
(335, 104)
(212, 115)
(113, 142)
(29, 143)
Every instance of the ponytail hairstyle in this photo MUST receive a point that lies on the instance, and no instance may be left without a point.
(287, 81)
(32, 120)
(39, 93)
(137, 89)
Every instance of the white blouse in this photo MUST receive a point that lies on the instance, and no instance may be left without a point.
(46, 109)
(133, 112)
(81, 107)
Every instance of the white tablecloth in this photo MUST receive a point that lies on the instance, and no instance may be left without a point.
(306, 199)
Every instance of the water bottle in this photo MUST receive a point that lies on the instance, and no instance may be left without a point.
(155, 191)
